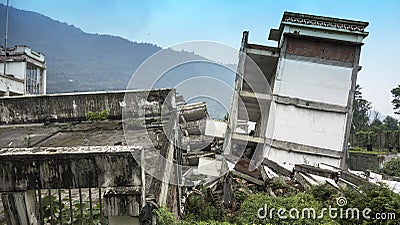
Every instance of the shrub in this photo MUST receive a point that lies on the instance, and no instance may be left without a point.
(324, 193)
(248, 213)
(380, 199)
(97, 116)
(392, 167)
(164, 216)
(201, 208)
(51, 207)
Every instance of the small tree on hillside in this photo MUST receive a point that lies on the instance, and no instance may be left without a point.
(361, 108)
(396, 99)
(391, 123)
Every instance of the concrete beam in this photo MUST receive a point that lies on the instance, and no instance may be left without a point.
(248, 178)
(318, 60)
(75, 106)
(306, 183)
(310, 104)
(193, 112)
(264, 52)
(347, 176)
(288, 146)
(307, 169)
(277, 168)
(255, 95)
(305, 149)
(61, 167)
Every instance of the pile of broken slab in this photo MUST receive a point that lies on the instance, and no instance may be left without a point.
(207, 169)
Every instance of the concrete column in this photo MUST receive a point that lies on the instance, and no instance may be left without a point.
(43, 82)
(122, 205)
(7, 92)
(20, 207)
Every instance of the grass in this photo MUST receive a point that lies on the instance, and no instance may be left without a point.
(365, 151)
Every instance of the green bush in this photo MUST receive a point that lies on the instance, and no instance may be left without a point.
(248, 213)
(51, 206)
(199, 208)
(324, 193)
(380, 199)
(208, 222)
(97, 116)
(392, 168)
(164, 216)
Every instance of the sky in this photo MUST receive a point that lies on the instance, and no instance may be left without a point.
(169, 22)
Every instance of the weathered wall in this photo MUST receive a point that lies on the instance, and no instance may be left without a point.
(308, 127)
(15, 68)
(362, 161)
(314, 81)
(94, 166)
(320, 49)
(14, 85)
(75, 106)
(290, 157)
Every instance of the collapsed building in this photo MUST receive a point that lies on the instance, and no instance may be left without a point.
(51, 157)
(299, 94)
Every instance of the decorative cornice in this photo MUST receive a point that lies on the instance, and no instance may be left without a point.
(324, 22)
(23, 58)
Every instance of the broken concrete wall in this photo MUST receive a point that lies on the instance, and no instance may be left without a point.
(75, 106)
(327, 83)
(365, 161)
(310, 127)
(78, 167)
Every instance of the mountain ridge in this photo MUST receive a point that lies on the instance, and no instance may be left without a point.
(81, 61)
(76, 60)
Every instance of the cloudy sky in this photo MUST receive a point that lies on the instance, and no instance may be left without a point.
(168, 22)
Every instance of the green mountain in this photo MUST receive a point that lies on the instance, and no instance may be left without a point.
(79, 61)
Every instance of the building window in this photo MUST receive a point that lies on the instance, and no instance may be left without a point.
(33, 79)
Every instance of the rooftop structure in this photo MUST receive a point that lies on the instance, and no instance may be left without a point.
(300, 93)
(25, 72)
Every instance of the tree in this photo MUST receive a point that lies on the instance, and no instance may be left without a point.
(360, 111)
(396, 99)
(392, 167)
(377, 126)
(391, 123)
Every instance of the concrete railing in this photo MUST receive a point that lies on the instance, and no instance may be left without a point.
(74, 106)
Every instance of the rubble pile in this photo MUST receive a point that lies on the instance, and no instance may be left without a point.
(211, 178)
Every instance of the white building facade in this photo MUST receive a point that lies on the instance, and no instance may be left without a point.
(303, 111)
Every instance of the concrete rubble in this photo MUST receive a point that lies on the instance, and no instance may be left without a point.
(239, 178)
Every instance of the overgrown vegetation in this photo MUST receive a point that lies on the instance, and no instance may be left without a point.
(51, 208)
(392, 168)
(372, 131)
(97, 116)
(204, 208)
(365, 151)
(379, 199)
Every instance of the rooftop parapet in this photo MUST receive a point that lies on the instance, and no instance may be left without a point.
(22, 53)
(311, 25)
